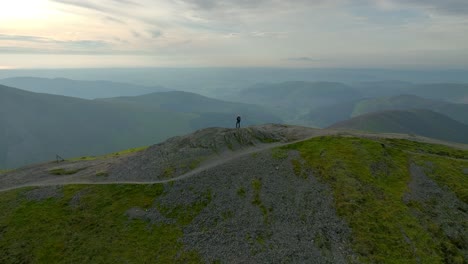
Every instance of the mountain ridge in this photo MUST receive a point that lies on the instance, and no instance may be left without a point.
(84, 89)
(419, 121)
(306, 195)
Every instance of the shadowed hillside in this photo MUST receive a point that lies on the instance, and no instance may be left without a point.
(328, 115)
(290, 99)
(36, 127)
(420, 122)
(80, 89)
(211, 112)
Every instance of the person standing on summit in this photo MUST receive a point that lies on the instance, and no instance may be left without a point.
(238, 121)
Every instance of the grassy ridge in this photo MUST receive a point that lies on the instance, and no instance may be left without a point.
(369, 180)
(97, 230)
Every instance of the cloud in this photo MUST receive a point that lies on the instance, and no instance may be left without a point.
(446, 7)
(155, 33)
(46, 45)
(115, 20)
(22, 38)
(302, 59)
(82, 4)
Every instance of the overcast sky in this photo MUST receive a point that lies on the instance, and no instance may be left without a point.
(272, 33)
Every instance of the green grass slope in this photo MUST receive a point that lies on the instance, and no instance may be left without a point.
(370, 181)
(420, 122)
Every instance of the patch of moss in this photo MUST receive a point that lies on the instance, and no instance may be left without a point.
(322, 242)
(61, 171)
(267, 140)
(227, 215)
(257, 186)
(53, 231)
(115, 154)
(168, 172)
(184, 214)
(195, 163)
(279, 153)
(102, 174)
(297, 168)
(241, 192)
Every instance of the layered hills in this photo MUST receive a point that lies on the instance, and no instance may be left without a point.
(292, 99)
(263, 194)
(328, 115)
(79, 88)
(419, 122)
(35, 127)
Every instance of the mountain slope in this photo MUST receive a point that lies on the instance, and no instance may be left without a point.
(405, 102)
(330, 199)
(452, 92)
(290, 99)
(328, 115)
(212, 112)
(36, 127)
(420, 122)
(79, 89)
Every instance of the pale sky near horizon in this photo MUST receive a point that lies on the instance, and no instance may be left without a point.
(264, 33)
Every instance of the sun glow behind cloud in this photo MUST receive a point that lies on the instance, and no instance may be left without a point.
(335, 33)
(21, 10)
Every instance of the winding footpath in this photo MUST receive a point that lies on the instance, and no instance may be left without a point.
(72, 180)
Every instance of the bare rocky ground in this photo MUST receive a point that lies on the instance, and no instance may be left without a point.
(259, 212)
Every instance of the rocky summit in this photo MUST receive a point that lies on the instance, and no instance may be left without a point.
(263, 194)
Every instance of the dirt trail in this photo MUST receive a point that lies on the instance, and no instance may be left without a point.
(225, 157)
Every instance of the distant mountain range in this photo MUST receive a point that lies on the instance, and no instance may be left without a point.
(328, 115)
(80, 89)
(209, 112)
(419, 122)
(35, 127)
(324, 103)
(290, 100)
(450, 92)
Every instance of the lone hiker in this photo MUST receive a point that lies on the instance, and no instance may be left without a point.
(238, 121)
